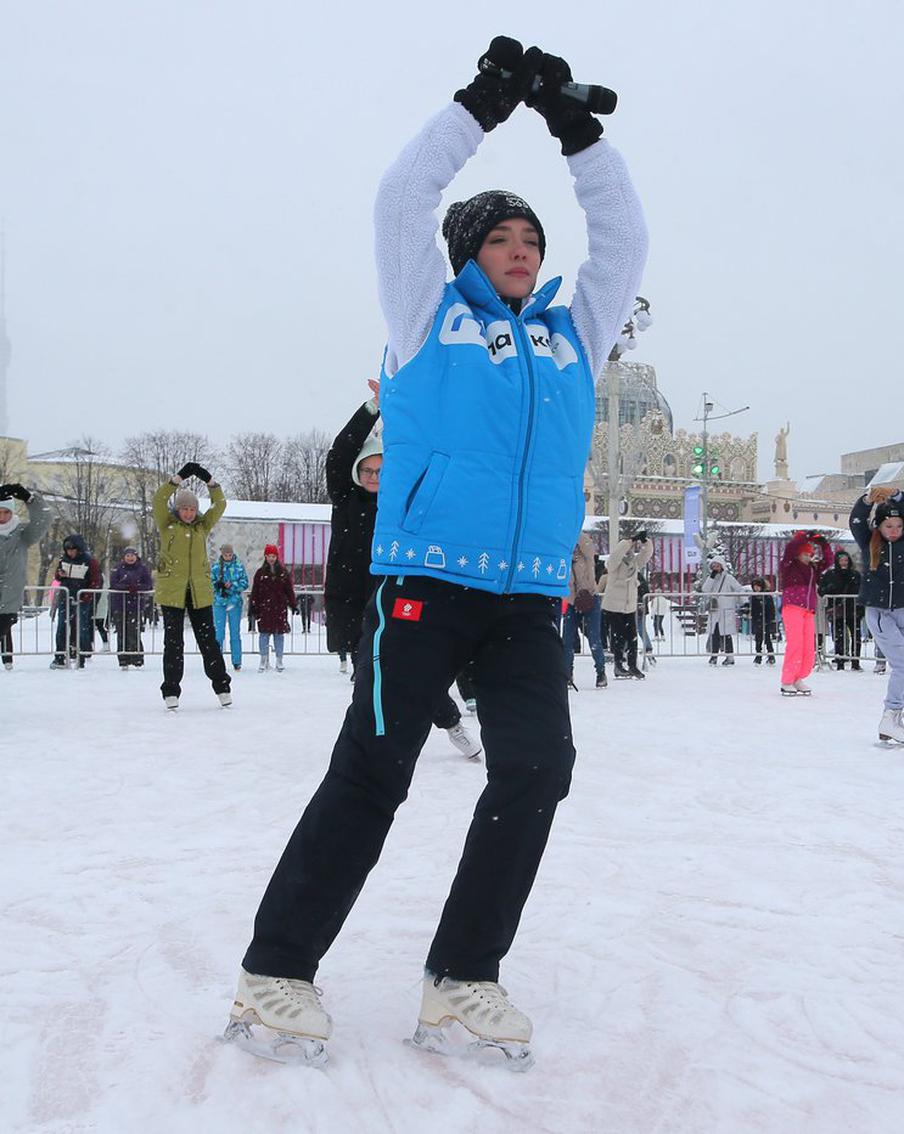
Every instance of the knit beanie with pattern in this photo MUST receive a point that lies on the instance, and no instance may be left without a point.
(467, 223)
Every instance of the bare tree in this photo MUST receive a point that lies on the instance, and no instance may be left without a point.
(252, 465)
(85, 495)
(261, 467)
(737, 543)
(148, 460)
(302, 476)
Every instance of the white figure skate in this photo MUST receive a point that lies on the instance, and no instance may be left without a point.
(483, 1009)
(891, 727)
(463, 741)
(225, 699)
(293, 1025)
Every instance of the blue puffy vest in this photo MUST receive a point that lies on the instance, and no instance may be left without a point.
(486, 434)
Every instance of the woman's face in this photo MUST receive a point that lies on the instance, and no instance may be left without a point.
(130, 558)
(510, 258)
(271, 558)
(892, 528)
(227, 555)
(369, 472)
(5, 515)
(187, 513)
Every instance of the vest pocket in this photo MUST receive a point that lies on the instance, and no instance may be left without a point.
(422, 495)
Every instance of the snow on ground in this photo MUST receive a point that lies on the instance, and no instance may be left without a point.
(714, 942)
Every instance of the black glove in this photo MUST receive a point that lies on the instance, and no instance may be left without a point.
(192, 468)
(490, 98)
(567, 120)
(640, 537)
(17, 491)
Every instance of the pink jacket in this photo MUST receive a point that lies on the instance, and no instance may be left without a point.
(799, 579)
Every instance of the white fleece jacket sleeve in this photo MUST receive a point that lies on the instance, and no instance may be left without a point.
(411, 271)
(608, 279)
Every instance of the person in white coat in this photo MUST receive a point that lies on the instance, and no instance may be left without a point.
(722, 592)
(620, 600)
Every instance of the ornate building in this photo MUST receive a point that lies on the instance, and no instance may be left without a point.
(656, 464)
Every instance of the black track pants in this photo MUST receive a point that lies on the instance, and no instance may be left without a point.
(174, 648)
(418, 634)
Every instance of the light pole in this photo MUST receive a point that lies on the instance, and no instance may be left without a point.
(639, 320)
(708, 416)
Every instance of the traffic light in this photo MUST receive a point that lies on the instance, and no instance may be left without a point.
(702, 460)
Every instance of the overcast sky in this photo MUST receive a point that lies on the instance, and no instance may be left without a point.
(187, 194)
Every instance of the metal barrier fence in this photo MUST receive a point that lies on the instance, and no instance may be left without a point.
(51, 622)
(43, 623)
(133, 619)
(684, 625)
(673, 624)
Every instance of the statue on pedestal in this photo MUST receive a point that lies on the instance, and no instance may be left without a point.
(781, 453)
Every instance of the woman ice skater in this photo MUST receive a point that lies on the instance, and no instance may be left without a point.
(487, 395)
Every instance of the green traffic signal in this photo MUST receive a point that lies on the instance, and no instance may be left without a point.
(698, 470)
(698, 450)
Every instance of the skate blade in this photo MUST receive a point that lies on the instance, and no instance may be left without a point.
(278, 1047)
(437, 1040)
(889, 741)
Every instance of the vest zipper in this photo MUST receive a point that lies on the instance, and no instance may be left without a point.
(525, 354)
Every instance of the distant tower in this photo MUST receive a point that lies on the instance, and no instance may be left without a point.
(5, 346)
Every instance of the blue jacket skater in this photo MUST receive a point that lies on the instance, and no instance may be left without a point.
(228, 570)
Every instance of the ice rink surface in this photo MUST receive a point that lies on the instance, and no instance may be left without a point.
(715, 941)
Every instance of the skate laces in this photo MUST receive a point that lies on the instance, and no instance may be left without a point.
(302, 989)
(490, 992)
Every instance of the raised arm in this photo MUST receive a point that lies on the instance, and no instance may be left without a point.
(346, 445)
(609, 278)
(411, 271)
(39, 518)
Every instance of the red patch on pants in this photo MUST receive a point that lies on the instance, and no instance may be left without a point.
(409, 610)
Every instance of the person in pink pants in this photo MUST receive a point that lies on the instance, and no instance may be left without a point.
(807, 555)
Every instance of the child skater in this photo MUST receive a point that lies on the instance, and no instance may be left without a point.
(877, 523)
(487, 395)
(806, 557)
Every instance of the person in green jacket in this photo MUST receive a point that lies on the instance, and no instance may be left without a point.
(183, 581)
